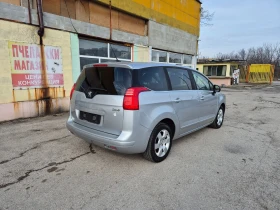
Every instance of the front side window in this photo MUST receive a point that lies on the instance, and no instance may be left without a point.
(211, 86)
(179, 78)
(152, 78)
(202, 83)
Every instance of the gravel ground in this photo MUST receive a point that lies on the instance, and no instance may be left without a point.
(43, 166)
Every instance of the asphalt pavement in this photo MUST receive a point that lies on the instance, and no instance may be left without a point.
(43, 166)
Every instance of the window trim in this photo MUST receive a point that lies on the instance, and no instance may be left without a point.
(167, 79)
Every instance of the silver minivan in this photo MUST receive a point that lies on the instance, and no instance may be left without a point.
(133, 107)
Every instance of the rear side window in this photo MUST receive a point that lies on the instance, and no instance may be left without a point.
(152, 78)
(104, 80)
(179, 78)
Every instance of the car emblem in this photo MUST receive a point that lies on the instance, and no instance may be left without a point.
(90, 94)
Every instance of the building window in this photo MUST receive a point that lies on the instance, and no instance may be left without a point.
(175, 58)
(93, 48)
(85, 61)
(215, 70)
(121, 52)
(187, 59)
(159, 56)
(92, 51)
(168, 57)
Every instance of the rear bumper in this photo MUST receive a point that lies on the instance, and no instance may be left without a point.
(129, 142)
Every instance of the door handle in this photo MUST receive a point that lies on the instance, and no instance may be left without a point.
(177, 100)
(202, 98)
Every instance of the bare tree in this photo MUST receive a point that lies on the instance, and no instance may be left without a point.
(205, 17)
(224, 56)
(266, 54)
(242, 54)
(277, 57)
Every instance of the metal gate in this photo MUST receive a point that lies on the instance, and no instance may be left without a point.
(260, 73)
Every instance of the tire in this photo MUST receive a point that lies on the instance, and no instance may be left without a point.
(159, 154)
(218, 122)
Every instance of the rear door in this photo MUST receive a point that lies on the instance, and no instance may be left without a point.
(208, 101)
(97, 102)
(185, 99)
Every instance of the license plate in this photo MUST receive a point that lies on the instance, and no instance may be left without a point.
(93, 118)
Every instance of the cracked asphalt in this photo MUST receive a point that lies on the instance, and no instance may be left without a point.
(43, 166)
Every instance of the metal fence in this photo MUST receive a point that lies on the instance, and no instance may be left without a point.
(260, 73)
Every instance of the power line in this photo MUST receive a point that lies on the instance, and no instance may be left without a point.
(70, 17)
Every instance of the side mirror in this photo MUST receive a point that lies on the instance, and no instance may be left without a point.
(216, 88)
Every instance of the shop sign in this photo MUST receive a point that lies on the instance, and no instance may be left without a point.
(26, 66)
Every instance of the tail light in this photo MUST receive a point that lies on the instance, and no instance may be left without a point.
(131, 98)
(72, 90)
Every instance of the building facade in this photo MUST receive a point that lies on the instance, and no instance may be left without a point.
(219, 71)
(42, 54)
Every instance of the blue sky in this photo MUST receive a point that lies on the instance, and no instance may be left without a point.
(239, 24)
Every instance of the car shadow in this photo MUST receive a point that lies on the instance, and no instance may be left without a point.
(191, 137)
(111, 155)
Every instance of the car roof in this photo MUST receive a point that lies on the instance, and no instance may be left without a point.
(136, 65)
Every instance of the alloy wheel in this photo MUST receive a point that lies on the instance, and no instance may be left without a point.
(220, 117)
(162, 143)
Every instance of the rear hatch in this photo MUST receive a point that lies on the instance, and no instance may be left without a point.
(97, 102)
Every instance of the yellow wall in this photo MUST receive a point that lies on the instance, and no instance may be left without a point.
(200, 67)
(16, 32)
(221, 82)
(260, 68)
(140, 53)
(182, 14)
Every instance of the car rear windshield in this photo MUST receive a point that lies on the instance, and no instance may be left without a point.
(104, 80)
